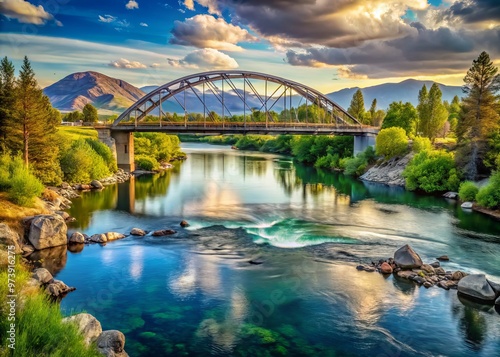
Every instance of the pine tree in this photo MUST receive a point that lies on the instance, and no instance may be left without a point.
(480, 114)
(7, 99)
(32, 126)
(357, 107)
(431, 111)
(423, 109)
(373, 109)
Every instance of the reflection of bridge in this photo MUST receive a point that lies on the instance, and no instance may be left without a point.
(230, 102)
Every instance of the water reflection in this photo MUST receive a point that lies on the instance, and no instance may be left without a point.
(53, 259)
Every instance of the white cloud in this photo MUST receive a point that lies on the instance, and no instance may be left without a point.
(132, 5)
(211, 5)
(125, 63)
(143, 24)
(25, 12)
(155, 65)
(107, 18)
(189, 4)
(205, 31)
(206, 58)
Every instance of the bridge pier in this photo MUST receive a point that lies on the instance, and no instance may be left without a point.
(124, 142)
(361, 142)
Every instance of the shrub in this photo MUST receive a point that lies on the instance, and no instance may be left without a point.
(431, 171)
(489, 195)
(356, 166)
(421, 144)
(146, 163)
(82, 164)
(24, 187)
(468, 191)
(105, 152)
(391, 142)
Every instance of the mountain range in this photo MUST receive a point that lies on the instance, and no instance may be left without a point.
(114, 95)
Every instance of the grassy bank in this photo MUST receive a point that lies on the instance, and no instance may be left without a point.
(38, 321)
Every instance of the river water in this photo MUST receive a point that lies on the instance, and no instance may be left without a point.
(196, 293)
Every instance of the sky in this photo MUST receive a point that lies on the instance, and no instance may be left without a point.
(326, 44)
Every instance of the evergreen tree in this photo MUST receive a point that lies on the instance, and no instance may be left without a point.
(357, 107)
(32, 126)
(480, 114)
(453, 113)
(373, 110)
(432, 112)
(7, 99)
(89, 113)
(422, 108)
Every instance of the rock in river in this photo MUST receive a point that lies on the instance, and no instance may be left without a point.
(137, 232)
(385, 268)
(184, 224)
(96, 184)
(77, 237)
(114, 236)
(48, 230)
(406, 258)
(163, 232)
(112, 343)
(476, 286)
(87, 325)
(42, 275)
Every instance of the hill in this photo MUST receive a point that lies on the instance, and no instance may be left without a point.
(406, 91)
(105, 93)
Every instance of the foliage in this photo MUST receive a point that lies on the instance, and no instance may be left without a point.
(356, 166)
(73, 117)
(160, 146)
(89, 113)
(146, 163)
(281, 144)
(357, 106)
(489, 195)
(479, 116)
(105, 152)
(431, 112)
(21, 185)
(431, 171)
(221, 139)
(468, 191)
(252, 142)
(7, 97)
(421, 144)
(81, 163)
(391, 142)
(401, 115)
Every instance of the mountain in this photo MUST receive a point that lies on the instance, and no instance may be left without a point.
(406, 91)
(148, 89)
(105, 93)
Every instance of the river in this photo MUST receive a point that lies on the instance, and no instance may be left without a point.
(195, 293)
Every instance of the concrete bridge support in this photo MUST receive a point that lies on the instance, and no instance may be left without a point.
(124, 150)
(361, 142)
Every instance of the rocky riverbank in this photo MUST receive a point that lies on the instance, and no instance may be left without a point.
(388, 172)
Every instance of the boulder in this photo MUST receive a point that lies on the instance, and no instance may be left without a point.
(435, 265)
(163, 232)
(440, 271)
(111, 344)
(137, 232)
(451, 195)
(443, 258)
(63, 214)
(494, 286)
(87, 325)
(48, 231)
(57, 288)
(458, 275)
(476, 286)
(385, 268)
(27, 249)
(406, 258)
(428, 270)
(497, 301)
(98, 238)
(447, 284)
(114, 236)
(406, 274)
(77, 237)
(8, 237)
(466, 205)
(42, 275)
(96, 184)
(184, 224)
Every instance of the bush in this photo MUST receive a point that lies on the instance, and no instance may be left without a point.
(82, 164)
(391, 142)
(489, 195)
(431, 171)
(468, 191)
(105, 152)
(356, 166)
(146, 163)
(421, 144)
(24, 187)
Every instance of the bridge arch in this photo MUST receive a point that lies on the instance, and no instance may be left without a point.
(153, 100)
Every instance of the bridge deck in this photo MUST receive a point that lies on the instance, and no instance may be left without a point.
(245, 128)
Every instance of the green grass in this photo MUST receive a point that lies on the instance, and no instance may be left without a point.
(40, 330)
(73, 133)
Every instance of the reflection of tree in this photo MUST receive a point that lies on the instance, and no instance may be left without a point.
(254, 166)
(471, 322)
(152, 185)
(288, 180)
(83, 208)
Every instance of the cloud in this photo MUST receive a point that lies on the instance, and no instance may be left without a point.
(106, 18)
(211, 5)
(132, 5)
(143, 24)
(206, 58)
(474, 11)
(25, 12)
(189, 4)
(205, 31)
(125, 63)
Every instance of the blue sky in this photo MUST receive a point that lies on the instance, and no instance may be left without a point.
(327, 44)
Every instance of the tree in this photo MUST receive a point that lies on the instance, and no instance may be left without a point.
(73, 116)
(32, 125)
(357, 107)
(391, 142)
(432, 112)
(453, 113)
(7, 97)
(89, 113)
(401, 115)
(479, 117)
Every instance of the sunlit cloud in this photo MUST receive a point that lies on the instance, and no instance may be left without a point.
(206, 58)
(25, 12)
(106, 18)
(125, 63)
(132, 5)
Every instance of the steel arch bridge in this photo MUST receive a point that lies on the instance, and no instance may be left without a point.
(218, 84)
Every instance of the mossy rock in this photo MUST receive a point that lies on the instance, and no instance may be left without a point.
(147, 334)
